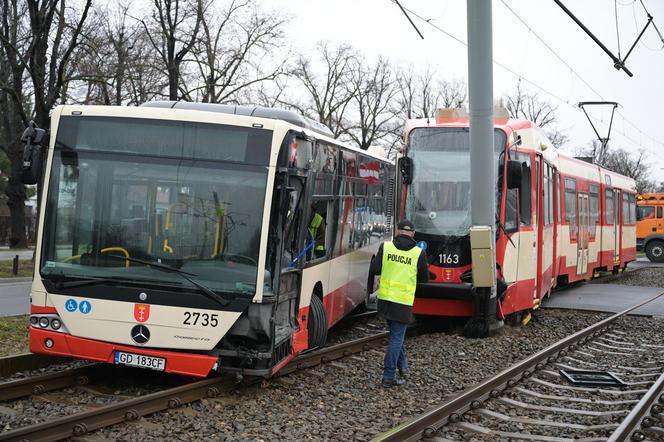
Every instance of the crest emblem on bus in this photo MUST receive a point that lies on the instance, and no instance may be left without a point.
(141, 312)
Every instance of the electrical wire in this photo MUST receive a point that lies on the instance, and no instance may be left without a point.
(541, 88)
(615, 9)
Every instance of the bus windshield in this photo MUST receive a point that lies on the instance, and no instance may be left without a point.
(438, 200)
(189, 195)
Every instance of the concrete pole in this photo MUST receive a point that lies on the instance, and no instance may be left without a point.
(480, 92)
(482, 165)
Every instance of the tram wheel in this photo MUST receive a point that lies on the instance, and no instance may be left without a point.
(655, 251)
(317, 324)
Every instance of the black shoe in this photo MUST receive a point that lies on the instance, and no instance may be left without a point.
(404, 373)
(392, 382)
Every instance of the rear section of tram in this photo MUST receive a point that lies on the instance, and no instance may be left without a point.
(175, 236)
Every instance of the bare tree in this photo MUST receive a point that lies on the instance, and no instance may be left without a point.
(172, 29)
(38, 39)
(523, 104)
(236, 50)
(453, 93)
(374, 91)
(329, 92)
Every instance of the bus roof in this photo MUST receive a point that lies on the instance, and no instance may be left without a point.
(250, 111)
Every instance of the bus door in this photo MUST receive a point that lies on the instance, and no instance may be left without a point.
(583, 222)
(616, 225)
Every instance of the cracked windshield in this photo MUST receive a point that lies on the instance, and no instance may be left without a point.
(439, 196)
(188, 195)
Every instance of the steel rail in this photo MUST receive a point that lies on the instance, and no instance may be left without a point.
(628, 428)
(27, 361)
(79, 424)
(48, 382)
(427, 424)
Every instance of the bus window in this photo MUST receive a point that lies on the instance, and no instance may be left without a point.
(659, 212)
(645, 212)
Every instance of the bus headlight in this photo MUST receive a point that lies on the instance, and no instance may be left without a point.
(43, 322)
(56, 324)
(34, 320)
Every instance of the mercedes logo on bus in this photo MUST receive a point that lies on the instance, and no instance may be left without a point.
(140, 334)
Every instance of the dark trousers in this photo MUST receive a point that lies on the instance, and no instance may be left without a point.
(395, 356)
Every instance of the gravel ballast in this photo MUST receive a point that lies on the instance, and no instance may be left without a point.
(343, 400)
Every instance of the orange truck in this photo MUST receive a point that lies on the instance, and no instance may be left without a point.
(650, 225)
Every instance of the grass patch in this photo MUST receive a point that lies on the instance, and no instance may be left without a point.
(14, 334)
(24, 268)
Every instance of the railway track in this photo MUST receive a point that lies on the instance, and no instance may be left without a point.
(532, 400)
(79, 424)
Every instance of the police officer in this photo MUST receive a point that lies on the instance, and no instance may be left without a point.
(401, 264)
(317, 232)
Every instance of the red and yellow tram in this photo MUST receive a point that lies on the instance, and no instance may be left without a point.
(559, 219)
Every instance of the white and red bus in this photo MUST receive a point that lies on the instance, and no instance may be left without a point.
(174, 236)
(559, 219)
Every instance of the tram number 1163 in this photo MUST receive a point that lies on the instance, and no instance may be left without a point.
(448, 258)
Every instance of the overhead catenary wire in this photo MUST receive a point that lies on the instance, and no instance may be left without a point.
(543, 89)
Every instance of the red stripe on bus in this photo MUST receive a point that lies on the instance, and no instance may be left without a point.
(189, 364)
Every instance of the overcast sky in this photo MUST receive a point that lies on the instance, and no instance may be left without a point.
(378, 27)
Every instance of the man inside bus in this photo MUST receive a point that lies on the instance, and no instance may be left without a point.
(317, 230)
(401, 264)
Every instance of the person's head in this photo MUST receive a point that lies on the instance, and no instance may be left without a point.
(405, 227)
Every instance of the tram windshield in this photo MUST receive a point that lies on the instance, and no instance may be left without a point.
(438, 201)
(189, 195)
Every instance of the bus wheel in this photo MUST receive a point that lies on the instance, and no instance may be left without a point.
(317, 324)
(655, 251)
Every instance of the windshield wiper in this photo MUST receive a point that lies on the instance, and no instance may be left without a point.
(504, 231)
(186, 275)
(58, 280)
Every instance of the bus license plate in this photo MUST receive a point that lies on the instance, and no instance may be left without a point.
(141, 361)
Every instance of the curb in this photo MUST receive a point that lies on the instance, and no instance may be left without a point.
(10, 280)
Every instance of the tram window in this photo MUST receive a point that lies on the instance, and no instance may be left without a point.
(659, 212)
(594, 212)
(570, 205)
(525, 190)
(511, 210)
(632, 209)
(625, 208)
(645, 212)
(556, 187)
(608, 204)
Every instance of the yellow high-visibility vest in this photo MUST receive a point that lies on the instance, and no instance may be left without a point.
(398, 277)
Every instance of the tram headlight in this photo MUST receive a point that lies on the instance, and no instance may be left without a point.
(43, 322)
(34, 320)
(56, 324)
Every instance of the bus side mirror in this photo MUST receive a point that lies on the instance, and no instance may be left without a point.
(406, 169)
(513, 174)
(35, 140)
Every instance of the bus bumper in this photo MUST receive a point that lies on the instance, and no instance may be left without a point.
(189, 364)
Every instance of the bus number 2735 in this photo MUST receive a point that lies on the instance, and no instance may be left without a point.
(204, 319)
(448, 258)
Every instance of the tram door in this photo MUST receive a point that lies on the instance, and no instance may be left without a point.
(617, 228)
(583, 221)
